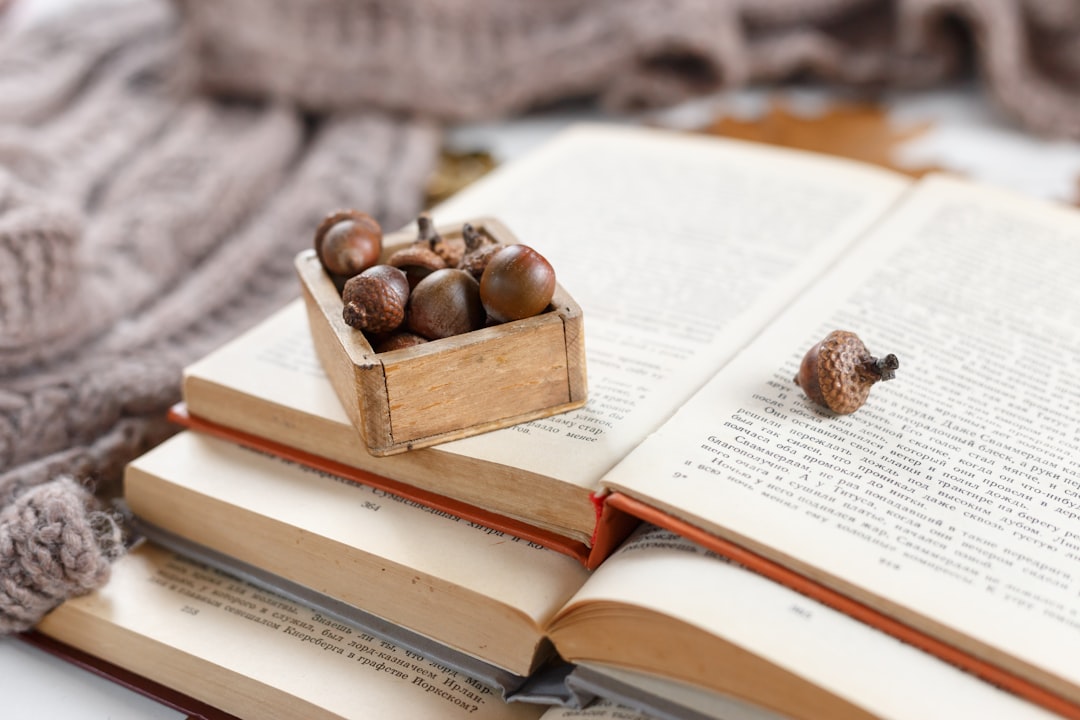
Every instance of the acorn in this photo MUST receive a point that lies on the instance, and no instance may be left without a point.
(517, 283)
(417, 262)
(445, 303)
(348, 242)
(399, 340)
(838, 372)
(375, 300)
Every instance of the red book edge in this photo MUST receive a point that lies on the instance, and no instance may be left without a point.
(163, 694)
(612, 526)
(989, 672)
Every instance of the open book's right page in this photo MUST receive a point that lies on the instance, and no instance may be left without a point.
(950, 499)
(677, 247)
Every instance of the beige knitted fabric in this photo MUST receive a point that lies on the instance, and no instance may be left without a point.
(51, 549)
(458, 59)
(160, 165)
(141, 225)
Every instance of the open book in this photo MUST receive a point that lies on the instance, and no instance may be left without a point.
(943, 511)
(678, 248)
(237, 650)
(663, 626)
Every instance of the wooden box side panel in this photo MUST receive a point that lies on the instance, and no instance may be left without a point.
(574, 342)
(512, 371)
(352, 372)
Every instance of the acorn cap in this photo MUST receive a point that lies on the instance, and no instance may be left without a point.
(838, 372)
(375, 301)
(479, 248)
(417, 260)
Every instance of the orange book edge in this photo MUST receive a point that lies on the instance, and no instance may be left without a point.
(612, 525)
(989, 672)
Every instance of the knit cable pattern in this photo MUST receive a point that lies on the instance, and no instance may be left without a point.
(473, 59)
(142, 225)
(52, 545)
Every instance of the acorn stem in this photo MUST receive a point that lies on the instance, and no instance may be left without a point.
(473, 239)
(882, 368)
(426, 230)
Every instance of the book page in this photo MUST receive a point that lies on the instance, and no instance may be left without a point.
(255, 654)
(660, 696)
(341, 514)
(277, 360)
(950, 499)
(402, 561)
(677, 248)
(659, 571)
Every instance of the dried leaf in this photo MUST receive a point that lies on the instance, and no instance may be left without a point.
(454, 171)
(860, 131)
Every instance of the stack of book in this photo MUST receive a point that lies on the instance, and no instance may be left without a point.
(699, 540)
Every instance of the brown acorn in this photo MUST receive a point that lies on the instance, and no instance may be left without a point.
(398, 340)
(375, 300)
(838, 372)
(445, 303)
(348, 242)
(417, 262)
(517, 283)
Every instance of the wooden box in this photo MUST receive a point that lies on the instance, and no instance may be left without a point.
(451, 388)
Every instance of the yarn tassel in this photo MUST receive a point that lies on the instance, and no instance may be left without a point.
(53, 546)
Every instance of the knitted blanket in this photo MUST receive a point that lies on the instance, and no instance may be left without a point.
(161, 164)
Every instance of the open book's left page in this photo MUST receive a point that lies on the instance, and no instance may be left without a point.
(255, 654)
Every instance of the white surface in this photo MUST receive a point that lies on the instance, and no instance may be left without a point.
(968, 138)
(38, 685)
(967, 135)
